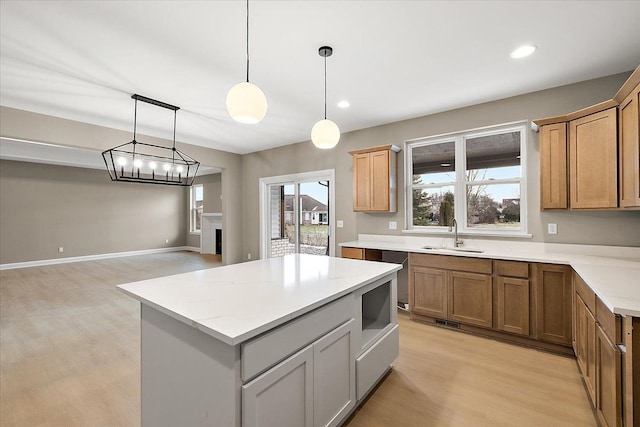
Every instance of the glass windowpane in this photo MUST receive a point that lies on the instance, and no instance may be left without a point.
(434, 163)
(493, 157)
(494, 206)
(433, 206)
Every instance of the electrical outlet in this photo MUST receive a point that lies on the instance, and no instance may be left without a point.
(249, 255)
(166, 240)
(60, 249)
(552, 228)
(393, 225)
(339, 223)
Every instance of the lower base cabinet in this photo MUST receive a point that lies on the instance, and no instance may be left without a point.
(553, 293)
(470, 298)
(512, 305)
(585, 346)
(314, 387)
(608, 388)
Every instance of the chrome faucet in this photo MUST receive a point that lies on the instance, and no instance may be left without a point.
(456, 243)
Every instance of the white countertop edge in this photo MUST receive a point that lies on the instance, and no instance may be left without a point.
(243, 337)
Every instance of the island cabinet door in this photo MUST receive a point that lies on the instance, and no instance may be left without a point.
(282, 396)
(471, 298)
(334, 379)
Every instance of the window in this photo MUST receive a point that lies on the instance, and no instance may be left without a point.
(197, 202)
(477, 175)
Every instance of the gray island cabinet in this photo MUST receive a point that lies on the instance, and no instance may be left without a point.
(293, 341)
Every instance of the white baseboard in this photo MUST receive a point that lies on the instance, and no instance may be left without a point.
(42, 262)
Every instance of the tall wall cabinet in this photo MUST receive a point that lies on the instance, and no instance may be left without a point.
(590, 159)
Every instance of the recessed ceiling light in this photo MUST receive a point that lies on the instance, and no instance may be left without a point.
(523, 51)
(343, 104)
(445, 165)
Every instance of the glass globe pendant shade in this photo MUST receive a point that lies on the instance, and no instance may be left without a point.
(325, 134)
(246, 103)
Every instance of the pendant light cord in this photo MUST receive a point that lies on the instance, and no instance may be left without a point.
(325, 88)
(247, 41)
(135, 118)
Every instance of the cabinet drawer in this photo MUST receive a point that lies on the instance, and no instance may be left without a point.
(610, 322)
(374, 362)
(585, 292)
(362, 253)
(266, 350)
(452, 262)
(353, 253)
(511, 268)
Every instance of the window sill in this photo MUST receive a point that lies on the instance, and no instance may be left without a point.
(508, 235)
(195, 233)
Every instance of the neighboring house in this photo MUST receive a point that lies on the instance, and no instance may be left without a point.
(313, 211)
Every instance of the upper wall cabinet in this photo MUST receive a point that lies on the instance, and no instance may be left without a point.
(594, 153)
(375, 186)
(553, 166)
(629, 148)
(593, 161)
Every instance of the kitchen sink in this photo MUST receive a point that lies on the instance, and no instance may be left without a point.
(443, 248)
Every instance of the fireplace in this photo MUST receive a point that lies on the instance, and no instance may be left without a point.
(218, 241)
(211, 234)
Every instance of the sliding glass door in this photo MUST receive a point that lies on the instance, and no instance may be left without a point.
(296, 216)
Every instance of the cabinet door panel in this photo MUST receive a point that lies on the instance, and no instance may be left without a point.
(608, 389)
(553, 300)
(361, 182)
(428, 294)
(470, 298)
(629, 140)
(380, 181)
(593, 161)
(513, 305)
(282, 396)
(334, 375)
(585, 345)
(553, 166)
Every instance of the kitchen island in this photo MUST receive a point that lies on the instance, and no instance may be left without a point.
(293, 341)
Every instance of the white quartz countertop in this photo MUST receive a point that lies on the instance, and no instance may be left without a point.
(612, 272)
(237, 302)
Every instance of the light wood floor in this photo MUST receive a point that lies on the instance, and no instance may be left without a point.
(70, 356)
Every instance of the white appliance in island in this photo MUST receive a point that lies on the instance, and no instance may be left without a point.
(295, 341)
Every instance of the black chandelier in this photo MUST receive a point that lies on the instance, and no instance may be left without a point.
(137, 161)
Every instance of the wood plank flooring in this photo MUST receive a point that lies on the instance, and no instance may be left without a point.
(70, 356)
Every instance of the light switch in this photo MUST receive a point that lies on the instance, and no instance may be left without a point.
(552, 228)
(339, 223)
(393, 225)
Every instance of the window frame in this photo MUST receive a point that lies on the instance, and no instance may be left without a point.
(460, 184)
(193, 209)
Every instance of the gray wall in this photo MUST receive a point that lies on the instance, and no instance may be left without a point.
(29, 126)
(43, 207)
(212, 193)
(604, 228)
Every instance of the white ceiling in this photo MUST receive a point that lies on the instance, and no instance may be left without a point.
(392, 60)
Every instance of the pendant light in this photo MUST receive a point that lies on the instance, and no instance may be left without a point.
(325, 134)
(246, 102)
(141, 162)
